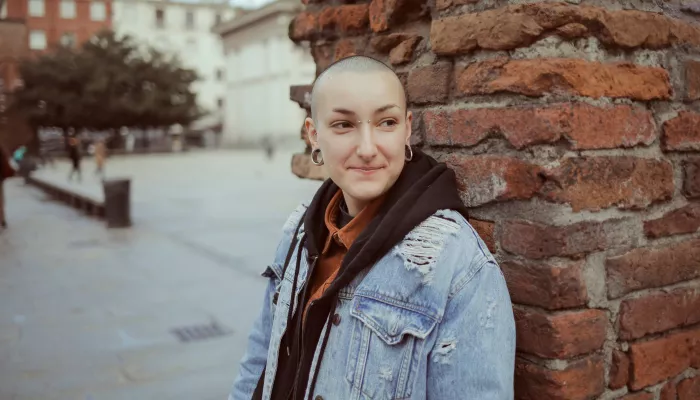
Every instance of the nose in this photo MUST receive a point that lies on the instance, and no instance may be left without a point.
(367, 148)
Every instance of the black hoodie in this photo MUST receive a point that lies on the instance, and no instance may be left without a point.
(424, 187)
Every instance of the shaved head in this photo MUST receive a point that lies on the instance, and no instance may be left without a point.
(355, 64)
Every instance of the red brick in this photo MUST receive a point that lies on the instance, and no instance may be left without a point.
(483, 179)
(346, 19)
(385, 14)
(689, 389)
(323, 55)
(682, 133)
(573, 30)
(581, 380)
(304, 26)
(682, 220)
(443, 4)
(668, 392)
(680, 307)
(562, 335)
(403, 53)
(384, 43)
(691, 183)
(537, 241)
(653, 267)
(485, 230)
(538, 77)
(545, 284)
(344, 48)
(619, 370)
(437, 127)
(638, 396)
(510, 27)
(430, 84)
(692, 80)
(657, 360)
(595, 183)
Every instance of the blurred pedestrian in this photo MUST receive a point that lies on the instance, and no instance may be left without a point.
(6, 171)
(269, 148)
(74, 155)
(100, 158)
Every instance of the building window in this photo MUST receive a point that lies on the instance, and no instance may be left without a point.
(98, 11)
(160, 18)
(219, 74)
(189, 20)
(36, 8)
(37, 40)
(67, 9)
(68, 39)
(220, 102)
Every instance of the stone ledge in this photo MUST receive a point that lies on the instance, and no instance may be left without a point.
(304, 168)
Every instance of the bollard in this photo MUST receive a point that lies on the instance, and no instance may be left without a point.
(117, 202)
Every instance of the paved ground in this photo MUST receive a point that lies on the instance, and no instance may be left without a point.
(87, 312)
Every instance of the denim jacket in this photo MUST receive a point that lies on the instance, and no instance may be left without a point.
(432, 319)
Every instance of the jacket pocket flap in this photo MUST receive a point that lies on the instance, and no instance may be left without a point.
(273, 271)
(391, 322)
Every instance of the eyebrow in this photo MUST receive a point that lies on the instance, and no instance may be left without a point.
(381, 109)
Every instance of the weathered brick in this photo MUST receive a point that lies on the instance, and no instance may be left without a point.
(301, 94)
(583, 125)
(581, 380)
(668, 392)
(429, 84)
(443, 4)
(304, 26)
(653, 267)
(483, 179)
(344, 48)
(538, 77)
(485, 230)
(678, 308)
(657, 360)
(384, 43)
(509, 27)
(689, 389)
(385, 14)
(573, 30)
(347, 19)
(619, 370)
(691, 183)
(692, 80)
(403, 53)
(682, 133)
(323, 55)
(595, 183)
(638, 396)
(682, 220)
(545, 284)
(437, 127)
(537, 241)
(562, 335)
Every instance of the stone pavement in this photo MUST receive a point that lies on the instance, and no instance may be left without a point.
(87, 312)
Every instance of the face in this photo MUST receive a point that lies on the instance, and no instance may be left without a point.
(362, 129)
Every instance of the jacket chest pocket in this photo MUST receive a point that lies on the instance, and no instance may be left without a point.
(385, 349)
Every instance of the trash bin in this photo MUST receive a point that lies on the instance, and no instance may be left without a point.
(117, 202)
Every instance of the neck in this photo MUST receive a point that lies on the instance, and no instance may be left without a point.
(354, 205)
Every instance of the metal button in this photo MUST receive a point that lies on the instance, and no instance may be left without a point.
(319, 398)
(274, 298)
(336, 319)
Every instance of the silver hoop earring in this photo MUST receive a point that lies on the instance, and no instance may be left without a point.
(409, 156)
(314, 155)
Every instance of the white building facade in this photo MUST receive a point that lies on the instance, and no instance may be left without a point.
(183, 29)
(261, 64)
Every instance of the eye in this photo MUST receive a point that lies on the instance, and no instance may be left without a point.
(342, 125)
(388, 123)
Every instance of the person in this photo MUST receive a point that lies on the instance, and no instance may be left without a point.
(100, 157)
(268, 147)
(74, 155)
(379, 288)
(6, 171)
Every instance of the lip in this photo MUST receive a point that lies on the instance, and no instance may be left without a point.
(365, 170)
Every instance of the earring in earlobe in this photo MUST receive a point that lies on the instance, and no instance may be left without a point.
(409, 153)
(315, 154)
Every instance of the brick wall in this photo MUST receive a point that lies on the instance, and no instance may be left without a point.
(575, 133)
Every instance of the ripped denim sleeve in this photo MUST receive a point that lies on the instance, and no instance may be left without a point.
(474, 353)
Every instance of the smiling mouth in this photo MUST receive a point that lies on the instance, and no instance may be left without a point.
(365, 170)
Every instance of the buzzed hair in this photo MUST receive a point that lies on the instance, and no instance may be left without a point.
(351, 64)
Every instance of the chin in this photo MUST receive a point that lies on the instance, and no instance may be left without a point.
(366, 191)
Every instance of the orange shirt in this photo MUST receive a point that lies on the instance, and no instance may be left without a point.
(338, 242)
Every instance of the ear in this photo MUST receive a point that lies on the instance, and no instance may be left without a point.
(409, 126)
(311, 132)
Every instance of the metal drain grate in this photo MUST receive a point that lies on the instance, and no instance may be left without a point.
(195, 333)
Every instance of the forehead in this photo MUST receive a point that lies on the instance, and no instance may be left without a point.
(359, 91)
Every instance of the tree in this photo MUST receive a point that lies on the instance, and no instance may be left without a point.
(108, 83)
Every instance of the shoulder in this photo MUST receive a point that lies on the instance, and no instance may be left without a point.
(294, 219)
(449, 247)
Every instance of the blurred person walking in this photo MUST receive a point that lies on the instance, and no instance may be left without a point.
(100, 158)
(74, 155)
(6, 171)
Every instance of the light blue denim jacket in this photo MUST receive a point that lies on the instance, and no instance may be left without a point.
(432, 319)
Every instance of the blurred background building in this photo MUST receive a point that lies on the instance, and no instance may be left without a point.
(261, 64)
(13, 47)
